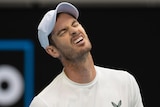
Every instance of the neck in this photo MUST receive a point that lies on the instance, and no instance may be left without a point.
(81, 71)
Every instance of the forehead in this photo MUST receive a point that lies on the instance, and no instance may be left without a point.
(63, 17)
(62, 14)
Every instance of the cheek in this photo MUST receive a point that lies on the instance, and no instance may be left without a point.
(84, 32)
(63, 44)
(82, 28)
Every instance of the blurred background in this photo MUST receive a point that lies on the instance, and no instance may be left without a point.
(124, 34)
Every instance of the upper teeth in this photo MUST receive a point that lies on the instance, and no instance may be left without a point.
(78, 40)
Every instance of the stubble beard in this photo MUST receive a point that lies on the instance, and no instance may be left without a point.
(79, 56)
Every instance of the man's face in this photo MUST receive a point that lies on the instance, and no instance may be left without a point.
(70, 38)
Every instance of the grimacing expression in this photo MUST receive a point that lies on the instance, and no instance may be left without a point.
(70, 37)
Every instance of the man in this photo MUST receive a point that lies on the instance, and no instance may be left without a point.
(81, 83)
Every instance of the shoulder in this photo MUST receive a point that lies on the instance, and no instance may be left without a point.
(38, 102)
(120, 78)
(115, 75)
(113, 72)
(49, 90)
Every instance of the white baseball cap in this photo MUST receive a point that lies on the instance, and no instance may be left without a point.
(48, 21)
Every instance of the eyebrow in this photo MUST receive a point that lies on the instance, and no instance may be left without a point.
(59, 31)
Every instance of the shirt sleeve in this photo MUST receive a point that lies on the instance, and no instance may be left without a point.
(38, 102)
(136, 98)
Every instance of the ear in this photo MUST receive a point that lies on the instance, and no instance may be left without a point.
(51, 50)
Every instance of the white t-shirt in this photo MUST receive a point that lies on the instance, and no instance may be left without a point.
(110, 88)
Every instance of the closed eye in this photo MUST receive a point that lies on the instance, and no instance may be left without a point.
(75, 23)
(61, 32)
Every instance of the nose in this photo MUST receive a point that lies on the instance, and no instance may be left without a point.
(73, 31)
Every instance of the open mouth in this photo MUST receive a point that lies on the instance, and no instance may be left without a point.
(78, 40)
